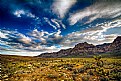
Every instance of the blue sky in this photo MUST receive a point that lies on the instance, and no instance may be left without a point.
(32, 27)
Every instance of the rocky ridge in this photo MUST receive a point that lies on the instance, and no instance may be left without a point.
(85, 49)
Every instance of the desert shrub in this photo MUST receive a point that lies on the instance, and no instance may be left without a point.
(99, 71)
(103, 79)
(75, 71)
(53, 67)
(116, 76)
(81, 70)
(99, 63)
(91, 72)
(67, 65)
(61, 60)
(88, 66)
(85, 78)
(69, 68)
(43, 65)
(97, 58)
(52, 76)
(107, 72)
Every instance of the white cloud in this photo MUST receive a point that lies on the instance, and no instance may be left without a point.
(21, 12)
(98, 10)
(25, 39)
(30, 15)
(18, 13)
(57, 34)
(60, 23)
(37, 33)
(55, 22)
(48, 21)
(19, 44)
(63, 25)
(95, 35)
(60, 7)
(2, 35)
(45, 37)
(30, 51)
(52, 49)
(21, 52)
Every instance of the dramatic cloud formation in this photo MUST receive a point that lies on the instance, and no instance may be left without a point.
(60, 7)
(32, 27)
(97, 35)
(40, 41)
(99, 9)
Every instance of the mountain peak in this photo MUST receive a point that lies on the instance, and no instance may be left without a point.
(82, 49)
(85, 44)
(118, 39)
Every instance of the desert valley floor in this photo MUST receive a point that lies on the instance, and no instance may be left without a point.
(19, 68)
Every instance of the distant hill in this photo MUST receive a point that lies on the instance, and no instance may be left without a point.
(87, 50)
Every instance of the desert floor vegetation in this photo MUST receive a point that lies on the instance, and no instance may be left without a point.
(18, 68)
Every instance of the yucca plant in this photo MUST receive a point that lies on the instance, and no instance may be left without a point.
(99, 62)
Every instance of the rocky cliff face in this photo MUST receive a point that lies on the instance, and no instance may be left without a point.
(116, 45)
(85, 49)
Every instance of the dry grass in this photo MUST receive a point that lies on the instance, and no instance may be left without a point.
(17, 68)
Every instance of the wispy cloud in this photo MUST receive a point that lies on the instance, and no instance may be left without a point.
(104, 9)
(58, 23)
(48, 21)
(60, 7)
(55, 22)
(99, 34)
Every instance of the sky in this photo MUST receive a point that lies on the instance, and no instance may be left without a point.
(32, 27)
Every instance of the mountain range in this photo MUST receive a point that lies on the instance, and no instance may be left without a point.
(88, 50)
